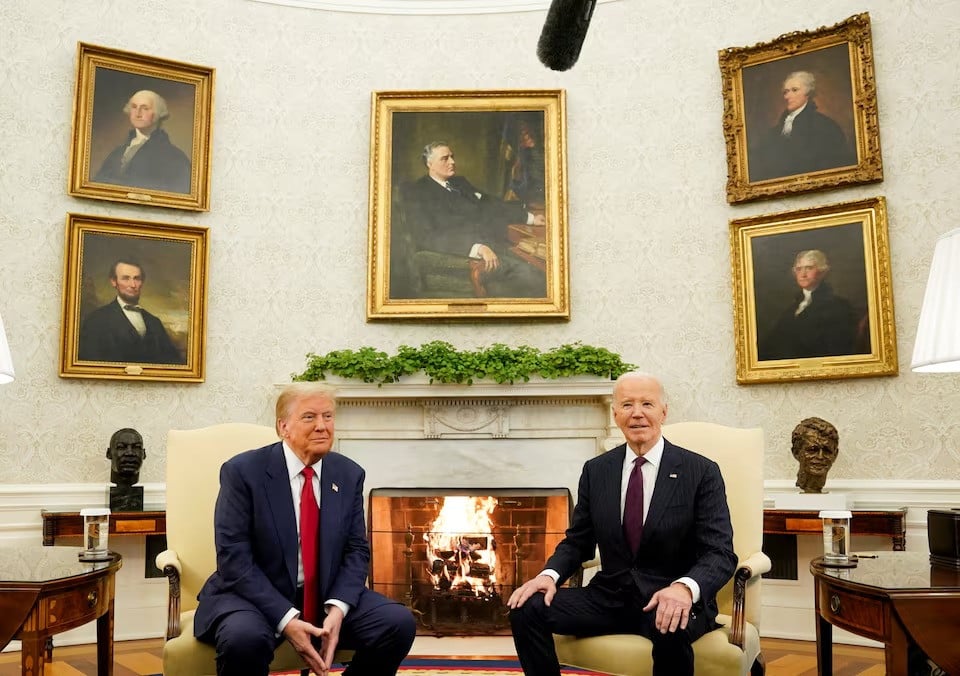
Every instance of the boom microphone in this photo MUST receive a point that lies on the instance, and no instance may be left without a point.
(563, 33)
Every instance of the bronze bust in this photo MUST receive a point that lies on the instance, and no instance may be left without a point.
(815, 443)
(126, 454)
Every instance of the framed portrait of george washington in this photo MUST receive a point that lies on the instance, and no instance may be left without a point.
(134, 300)
(813, 298)
(800, 112)
(468, 213)
(141, 129)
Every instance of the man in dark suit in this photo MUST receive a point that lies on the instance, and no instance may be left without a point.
(279, 577)
(147, 158)
(447, 214)
(122, 330)
(804, 140)
(658, 514)
(817, 322)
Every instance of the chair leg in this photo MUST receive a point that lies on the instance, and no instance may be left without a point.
(476, 279)
(759, 667)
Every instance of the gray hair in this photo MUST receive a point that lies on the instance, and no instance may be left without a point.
(429, 148)
(818, 257)
(159, 104)
(641, 375)
(807, 80)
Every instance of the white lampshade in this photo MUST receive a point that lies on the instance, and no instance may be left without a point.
(6, 361)
(938, 335)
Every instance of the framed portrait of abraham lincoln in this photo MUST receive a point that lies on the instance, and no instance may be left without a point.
(813, 297)
(800, 112)
(134, 300)
(141, 129)
(468, 213)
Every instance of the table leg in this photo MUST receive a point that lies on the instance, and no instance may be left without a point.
(105, 642)
(824, 646)
(33, 655)
(897, 651)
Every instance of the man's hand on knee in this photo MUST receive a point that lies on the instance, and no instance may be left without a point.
(673, 605)
(541, 583)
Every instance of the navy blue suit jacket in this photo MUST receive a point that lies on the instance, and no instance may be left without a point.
(687, 532)
(257, 543)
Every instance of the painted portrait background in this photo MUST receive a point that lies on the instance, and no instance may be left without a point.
(775, 286)
(763, 98)
(500, 152)
(166, 289)
(111, 126)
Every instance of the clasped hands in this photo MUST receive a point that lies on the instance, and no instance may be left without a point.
(672, 603)
(300, 634)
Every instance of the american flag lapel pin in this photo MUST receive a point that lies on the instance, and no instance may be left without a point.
(335, 487)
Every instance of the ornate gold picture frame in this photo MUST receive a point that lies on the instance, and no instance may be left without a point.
(134, 300)
(800, 112)
(468, 205)
(813, 298)
(141, 129)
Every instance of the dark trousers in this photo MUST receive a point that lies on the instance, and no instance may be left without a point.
(592, 612)
(380, 630)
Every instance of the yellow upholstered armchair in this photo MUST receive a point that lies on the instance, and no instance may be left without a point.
(194, 458)
(734, 648)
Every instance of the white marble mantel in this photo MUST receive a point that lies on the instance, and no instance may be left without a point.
(413, 433)
(538, 409)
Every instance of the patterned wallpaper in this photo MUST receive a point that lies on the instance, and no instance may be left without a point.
(650, 269)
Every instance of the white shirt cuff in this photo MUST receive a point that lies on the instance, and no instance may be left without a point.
(551, 573)
(285, 620)
(692, 585)
(339, 604)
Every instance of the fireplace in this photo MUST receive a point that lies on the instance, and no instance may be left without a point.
(454, 556)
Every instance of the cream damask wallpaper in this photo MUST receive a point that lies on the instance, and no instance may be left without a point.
(650, 268)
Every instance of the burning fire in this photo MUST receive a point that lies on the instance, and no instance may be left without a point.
(460, 546)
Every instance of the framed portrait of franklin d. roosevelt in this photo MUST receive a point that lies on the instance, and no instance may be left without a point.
(134, 300)
(141, 129)
(813, 298)
(468, 214)
(800, 112)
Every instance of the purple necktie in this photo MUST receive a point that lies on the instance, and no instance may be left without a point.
(633, 506)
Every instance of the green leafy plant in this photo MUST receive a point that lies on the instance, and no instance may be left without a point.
(443, 363)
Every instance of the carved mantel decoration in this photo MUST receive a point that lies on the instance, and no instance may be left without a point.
(570, 408)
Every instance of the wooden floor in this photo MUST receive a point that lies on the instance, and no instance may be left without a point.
(134, 658)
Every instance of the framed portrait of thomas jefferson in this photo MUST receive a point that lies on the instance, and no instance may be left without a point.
(141, 129)
(813, 297)
(134, 300)
(468, 214)
(800, 112)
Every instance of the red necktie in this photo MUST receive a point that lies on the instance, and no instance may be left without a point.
(309, 527)
(633, 506)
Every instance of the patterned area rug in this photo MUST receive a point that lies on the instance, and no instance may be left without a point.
(461, 667)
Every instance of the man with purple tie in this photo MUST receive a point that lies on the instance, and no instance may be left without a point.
(658, 514)
(293, 556)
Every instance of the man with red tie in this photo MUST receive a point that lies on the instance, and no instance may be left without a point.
(658, 514)
(292, 554)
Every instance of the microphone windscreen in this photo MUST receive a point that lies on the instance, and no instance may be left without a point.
(563, 33)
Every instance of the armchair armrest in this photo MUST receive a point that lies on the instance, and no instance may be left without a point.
(752, 567)
(169, 563)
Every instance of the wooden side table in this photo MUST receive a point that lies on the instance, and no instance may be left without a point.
(898, 598)
(47, 591)
(890, 523)
(62, 524)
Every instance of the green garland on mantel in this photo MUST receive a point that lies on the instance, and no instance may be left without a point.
(444, 363)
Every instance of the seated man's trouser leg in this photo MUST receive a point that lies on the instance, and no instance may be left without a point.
(516, 278)
(590, 612)
(379, 629)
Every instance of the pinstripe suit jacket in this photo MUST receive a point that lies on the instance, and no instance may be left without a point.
(687, 531)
